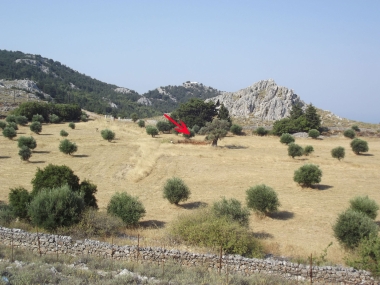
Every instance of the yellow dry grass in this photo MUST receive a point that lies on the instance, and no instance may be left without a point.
(140, 165)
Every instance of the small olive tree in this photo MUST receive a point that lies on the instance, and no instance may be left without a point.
(359, 146)
(308, 150)
(338, 152)
(19, 199)
(350, 133)
(12, 125)
(21, 120)
(236, 129)
(365, 205)
(36, 127)
(307, 175)
(216, 130)
(3, 125)
(38, 118)
(262, 199)
(261, 131)
(63, 133)
(141, 123)
(150, 130)
(67, 147)
(287, 139)
(355, 128)
(134, 117)
(107, 134)
(175, 190)
(313, 133)
(30, 142)
(164, 126)
(72, 125)
(126, 207)
(25, 153)
(54, 119)
(9, 132)
(294, 150)
(231, 209)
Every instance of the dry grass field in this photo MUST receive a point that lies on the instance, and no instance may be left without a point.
(140, 165)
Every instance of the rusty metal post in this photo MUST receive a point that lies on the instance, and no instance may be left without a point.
(12, 245)
(38, 242)
(311, 268)
(138, 247)
(220, 260)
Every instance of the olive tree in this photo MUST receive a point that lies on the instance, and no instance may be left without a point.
(30, 142)
(215, 130)
(338, 152)
(175, 190)
(67, 147)
(307, 175)
(9, 132)
(36, 127)
(107, 134)
(359, 146)
(262, 199)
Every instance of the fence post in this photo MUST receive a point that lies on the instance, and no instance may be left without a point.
(12, 242)
(138, 247)
(220, 260)
(311, 268)
(38, 242)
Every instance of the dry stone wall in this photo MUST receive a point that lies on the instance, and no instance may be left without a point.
(50, 244)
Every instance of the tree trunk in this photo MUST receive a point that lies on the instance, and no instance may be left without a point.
(214, 143)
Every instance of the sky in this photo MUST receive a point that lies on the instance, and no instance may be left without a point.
(328, 52)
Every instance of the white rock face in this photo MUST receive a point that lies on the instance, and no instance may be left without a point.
(26, 84)
(263, 100)
(122, 90)
(37, 63)
(144, 101)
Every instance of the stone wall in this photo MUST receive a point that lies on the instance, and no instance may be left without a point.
(50, 244)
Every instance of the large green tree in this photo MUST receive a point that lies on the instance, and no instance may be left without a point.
(224, 114)
(312, 118)
(215, 130)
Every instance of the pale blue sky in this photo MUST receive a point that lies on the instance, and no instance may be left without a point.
(328, 52)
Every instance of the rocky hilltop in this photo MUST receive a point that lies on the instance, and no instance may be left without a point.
(264, 100)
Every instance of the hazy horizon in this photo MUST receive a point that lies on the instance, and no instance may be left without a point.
(326, 51)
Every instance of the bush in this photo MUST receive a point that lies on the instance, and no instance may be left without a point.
(141, 123)
(9, 133)
(53, 176)
(261, 131)
(313, 133)
(338, 152)
(10, 119)
(351, 227)
(262, 199)
(36, 127)
(72, 125)
(38, 118)
(203, 228)
(359, 146)
(236, 129)
(107, 134)
(21, 120)
(13, 125)
(175, 190)
(88, 191)
(150, 130)
(19, 199)
(54, 119)
(126, 207)
(355, 128)
(30, 142)
(287, 139)
(308, 150)
(365, 205)
(196, 128)
(57, 207)
(63, 133)
(294, 150)
(231, 209)
(134, 117)
(25, 153)
(307, 175)
(192, 134)
(164, 126)
(67, 147)
(349, 133)
(3, 125)
(6, 214)
(84, 118)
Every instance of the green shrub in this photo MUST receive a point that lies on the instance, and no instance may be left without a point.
(13, 125)
(67, 147)
(38, 118)
(10, 119)
(192, 134)
(350, 133)
(236, 129)
(262, 199)
(54, 119)
(19, 199)
(175, 190)
(141, 123)
(231, 209)
(6, 214)
(359, 146)
(25, 153)
(365, 205)
(196, 128)
(150, 130)
(261, 131)
(134, 117)
(313, 133)
(307, 175)
(63, 133)
(9, 133)
(21, 120)
(352, 226)
(107, 134)
(84, 118)
(53, 176)
(355, 128)
(308, 150)
(338, 152)
(164, 126)
(126, 207)
(30, 142)
(3, 125)
(294, 150)
(36, 127)
(57, 207)
(203, 228)
(72, 125)
(287, 139)
(88, 191)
